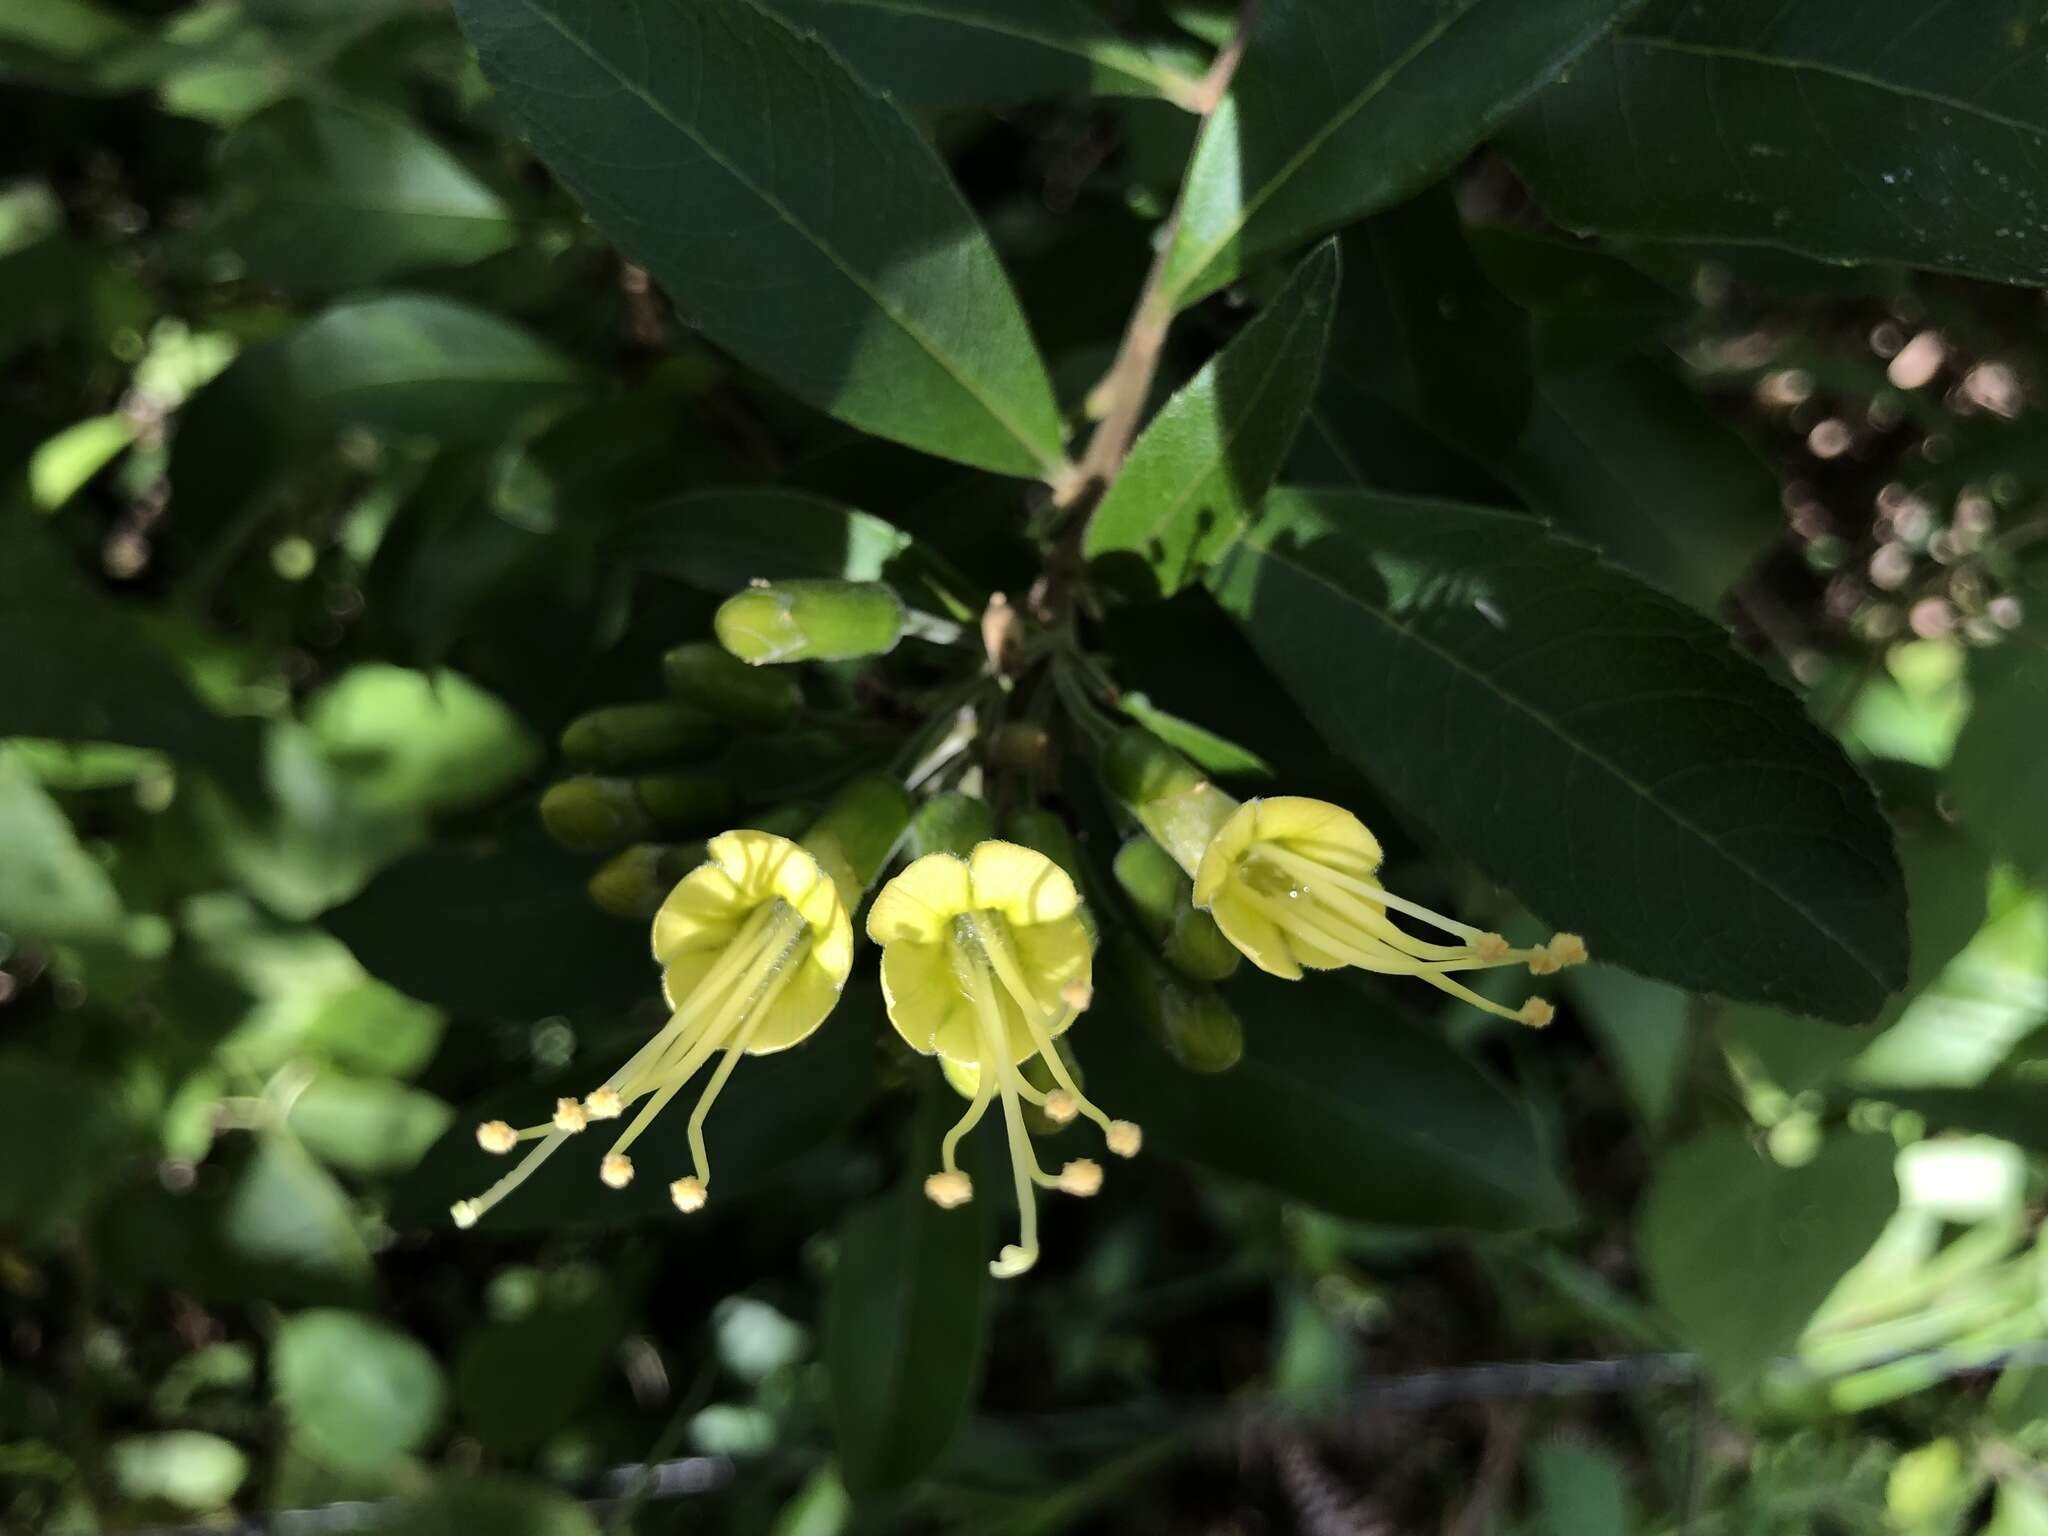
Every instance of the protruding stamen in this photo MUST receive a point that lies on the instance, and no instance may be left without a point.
(688, 1194)
(604, 1104)
(1077, 995)
(496, 1136)
(1013, 1261)
(949, 1190)
(1567, 949)
(1083, 1177)
(1490, 947)
(1124, 1137)
(465, 1213)
(1536, 1013)
(616, 1170)
(569, 1116)
(1061, 1106)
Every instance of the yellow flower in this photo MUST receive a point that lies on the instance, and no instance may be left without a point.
(985, 961)
(754, 946)
(1291, 882)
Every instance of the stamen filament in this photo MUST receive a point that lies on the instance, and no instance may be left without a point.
(997, 946)
(737, 1046)
(1309, 868)
(949, 1147)
(1015, 1258)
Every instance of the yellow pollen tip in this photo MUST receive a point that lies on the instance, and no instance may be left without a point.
(605, 1104)
(569, 1115)
(1490, 947)
(1124, 1138)
(1077, 995)
(1061, 1106)
(616, 1170)
(1543, 963)
(465, 1213)
(496, 1136)
(1536, 1013)
(1013, 1261)
(1083, 1177)
(1567, 949)
(688, 1194)
(949, 1191)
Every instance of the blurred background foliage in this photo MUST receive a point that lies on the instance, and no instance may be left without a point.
(343, 463)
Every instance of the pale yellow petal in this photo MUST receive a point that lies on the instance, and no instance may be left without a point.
(921, 993)
(1232, 840)
(1318, 830)
(1021, 883)
(1055, 956)
(1257, 936)
(703, 912)
(919, 905)
(798, 1009)
(963, 1076)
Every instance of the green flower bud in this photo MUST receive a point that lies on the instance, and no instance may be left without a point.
(594, 814)
(858, 831)
(710, 677)
(626, 736)
(685, 802)
(951, 823)
(635, 881)
(1192, 1023)
(1172, 799)
(1163, 897)
(810, 621)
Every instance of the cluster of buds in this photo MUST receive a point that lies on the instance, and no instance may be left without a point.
(987, 945)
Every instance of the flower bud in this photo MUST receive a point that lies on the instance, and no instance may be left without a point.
(1192, 1023)
(594, 814)
(635, 881)
(719, 683)
(1172, 799)
(626, 736)
(951, 823)
(856, 833)
(810, 621)
(1164, 898)
(685, 802)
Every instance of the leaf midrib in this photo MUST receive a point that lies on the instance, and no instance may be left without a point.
(775, 205)
(1118, 56)
(1678, 819)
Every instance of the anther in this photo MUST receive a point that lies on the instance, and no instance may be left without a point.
(1077, 995)
(949, 1190)
(1083, 1177)
(569, 1115)
(1543, 963)
(465, 1213)
(1490, 947)
(1124, 1138)
(496, 1136)
(1013, 1261)
(1061, 1106)
(688, 1194)
(1536, 1013)
(604, 1104)
(1567, 949)
(616, 1170)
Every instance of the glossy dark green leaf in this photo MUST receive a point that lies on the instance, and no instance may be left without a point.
(957, 53)
(1906, 130)
(514, 933)
(1644, 1029)
(905, 1323)
(1200, 467)
(1995, 774)
(2013, 1108)
(1628, 459)
(50, 887)
(328, 194)
(357, 1393)
(775, 1109)
(1592, 744)
(79, 668)
(720, 540)
(568, 1339)
(1585, 306)
(1339, 110)
(1740, 1251)
(799, 219)
(1341, 1103)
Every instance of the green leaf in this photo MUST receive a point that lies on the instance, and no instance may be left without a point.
(1741, 1251)
(799, 219)
(905, 1322)
(358, 1394)
(1586, 307)
(1580, 1490)
(504, 1507)
(1342, 1103)
(1339, 110)
(1906, 130)
(1630, 460)
(288, 1230)
(720, 540)
(1995, 773)
(50, 887)
(1644, 1029)
(514, 933)
(964, 53)
(776, 1109)
(367, 1125)
(1195, 475)
(1585, 740)
(2012, 1108)
(78, 667)
(330, 194)
(185, 1467)
(568, 1339)
(61, 1144)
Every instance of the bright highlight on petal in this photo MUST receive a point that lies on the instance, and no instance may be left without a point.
(985, 962)
(754, 945)
(1292, 882)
